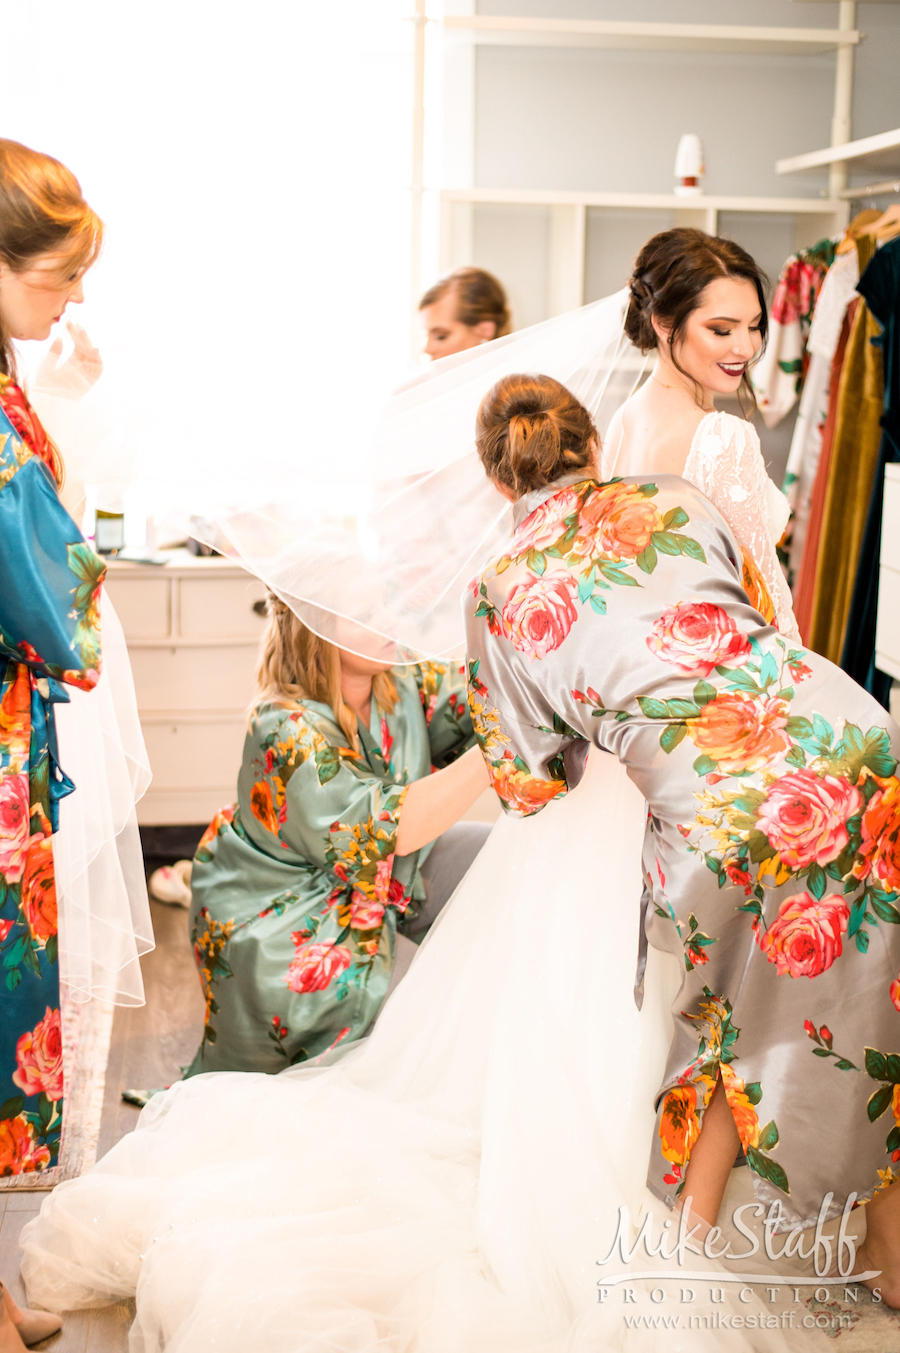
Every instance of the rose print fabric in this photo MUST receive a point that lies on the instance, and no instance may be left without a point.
(772, 853)
(778, 375)
(49, 638)
(297, 892)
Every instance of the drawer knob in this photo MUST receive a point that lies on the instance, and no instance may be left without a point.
(259, 608)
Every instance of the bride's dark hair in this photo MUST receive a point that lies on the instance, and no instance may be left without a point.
(671, 273)
(530, 430)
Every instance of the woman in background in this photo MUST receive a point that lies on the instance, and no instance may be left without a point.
(311, 893)
(462, 311)
(50, 582)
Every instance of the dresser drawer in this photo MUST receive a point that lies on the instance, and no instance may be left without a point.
(211, 677)
(142, 604)
(220, 608)
(196, 756)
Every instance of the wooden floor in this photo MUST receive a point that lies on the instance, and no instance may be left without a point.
(150, 1044)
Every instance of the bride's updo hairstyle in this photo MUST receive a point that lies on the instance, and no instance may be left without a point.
(531, 430)
(671, 273)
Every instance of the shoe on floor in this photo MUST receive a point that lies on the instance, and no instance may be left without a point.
(172, 884)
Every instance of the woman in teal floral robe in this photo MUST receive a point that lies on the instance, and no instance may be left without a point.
(617, 618)
(49, 638)
(298, 894)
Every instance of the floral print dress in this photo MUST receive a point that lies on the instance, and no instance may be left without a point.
(49, 638)
(297, 892)
(617, 618)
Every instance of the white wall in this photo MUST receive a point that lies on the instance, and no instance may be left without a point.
(596, 120)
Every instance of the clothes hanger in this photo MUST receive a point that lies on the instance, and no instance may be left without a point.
(888, 225)
(860, 225)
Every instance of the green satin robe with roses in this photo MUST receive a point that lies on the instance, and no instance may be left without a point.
(297, 892)
(772, 853)
(49, 638)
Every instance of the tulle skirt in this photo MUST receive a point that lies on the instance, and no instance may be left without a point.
(447, 1185)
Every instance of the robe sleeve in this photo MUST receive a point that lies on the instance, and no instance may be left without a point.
(442, 690)
(306, 794)
(50, 578)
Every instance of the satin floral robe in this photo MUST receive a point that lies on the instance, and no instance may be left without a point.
(49, 638)
(772, 850)
(297, 892)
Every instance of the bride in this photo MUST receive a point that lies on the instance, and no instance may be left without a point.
(450, 1182)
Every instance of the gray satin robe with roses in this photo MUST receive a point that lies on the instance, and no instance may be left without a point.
(772, 861)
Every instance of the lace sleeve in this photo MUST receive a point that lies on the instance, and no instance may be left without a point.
(725, 463)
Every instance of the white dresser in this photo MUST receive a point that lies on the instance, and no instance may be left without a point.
(887, 634)
(193, 637)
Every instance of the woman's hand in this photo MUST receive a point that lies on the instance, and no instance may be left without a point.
(437, 801)
(75, 376)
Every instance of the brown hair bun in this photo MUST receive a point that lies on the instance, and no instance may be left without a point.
(531, 430)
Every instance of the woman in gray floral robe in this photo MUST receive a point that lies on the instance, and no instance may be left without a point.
(617, 617)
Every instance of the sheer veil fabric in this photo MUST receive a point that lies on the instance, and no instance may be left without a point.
(390, 535)
(104, 914)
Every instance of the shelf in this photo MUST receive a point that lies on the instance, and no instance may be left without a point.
(817, 206)
(502, 30)
(881, 152)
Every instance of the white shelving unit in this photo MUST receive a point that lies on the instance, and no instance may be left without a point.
(813, 219)
(878, 154)
(507, 30)
(566, 215)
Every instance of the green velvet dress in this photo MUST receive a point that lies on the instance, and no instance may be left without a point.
(297, 893)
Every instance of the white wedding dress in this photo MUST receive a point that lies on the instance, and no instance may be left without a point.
(449, 1184)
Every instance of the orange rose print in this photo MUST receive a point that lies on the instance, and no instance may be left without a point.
(521, 792)
(744, 1114)
(39, 891)
(879, 852)
(755, 587)
(679, 1125)
(741, 732)
(19, 1151)
(262, 807)
(222, 816)
(617, 520)
(15, 715)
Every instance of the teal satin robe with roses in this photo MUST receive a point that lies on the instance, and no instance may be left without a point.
(49, 638)
(617, 618)
(297, 892)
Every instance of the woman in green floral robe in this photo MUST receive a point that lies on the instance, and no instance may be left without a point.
(300, 897)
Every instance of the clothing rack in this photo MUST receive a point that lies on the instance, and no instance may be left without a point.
(871, 190)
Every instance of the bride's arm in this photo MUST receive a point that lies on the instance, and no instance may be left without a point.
(737, 483)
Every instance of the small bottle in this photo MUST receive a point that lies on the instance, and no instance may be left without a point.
(109, 532)
(689, 167)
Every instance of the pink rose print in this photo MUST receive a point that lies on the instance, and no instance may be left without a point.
(544, 526)
(314, 966)
(894, 992)
(698, 636)
(15, 825)
(39, 1058)
(806, 936)
(365, 915)
(805, 817)
(539, 614)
